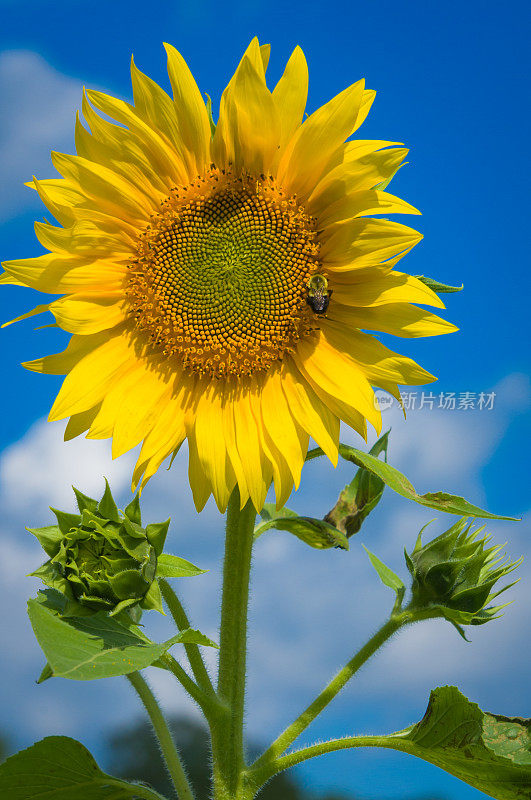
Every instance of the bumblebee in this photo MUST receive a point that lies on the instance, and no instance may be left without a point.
(319, 295)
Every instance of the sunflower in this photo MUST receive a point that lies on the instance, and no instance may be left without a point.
(216, 279)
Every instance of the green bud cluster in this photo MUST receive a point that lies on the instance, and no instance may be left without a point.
(454, 575)
(102, 559)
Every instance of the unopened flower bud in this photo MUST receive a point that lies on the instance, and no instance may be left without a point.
(102, 559)
(454, 575)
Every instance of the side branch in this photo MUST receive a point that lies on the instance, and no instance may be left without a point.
(281, 744)
(167, 745)
(192, 650)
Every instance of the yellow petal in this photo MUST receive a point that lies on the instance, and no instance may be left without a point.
(61, 363)
(79, 423)
(34, 311)
(248, 129)
(399, 319)
(163, 156)
(256, 467)
(310, 412)
(128, 154)
(124, 158)
(229, 436)
(114, 194)
(356, 149)
(365, 106)
(349, 243)
(197, 477)
(84, 239)
(355, 176)
(362, 204)
(397, 287)
(167, 434)
(265, 52)
(90, 312)
(335, 371)
(309, 150)
(194, 125)
(56, 274)
(290, 438)
(290, 95)
(91, 378)
(376, 361)
(210, 444)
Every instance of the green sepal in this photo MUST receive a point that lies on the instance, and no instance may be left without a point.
(210, 117)
(440, 501)
(436, 286)
(385, 183)
(107, 507)
(169, 566)
(156, 533)
(152, 600)
(360, 496)
(386, 575)
(85, 502)
(60, 768)
(132, 511)
(65, 520)
(314, 532)
(49, 538)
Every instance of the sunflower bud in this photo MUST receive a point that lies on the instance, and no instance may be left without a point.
(102, 559)
(454, 575)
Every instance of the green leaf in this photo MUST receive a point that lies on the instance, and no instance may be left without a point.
(488, 751)
(169, 566)
(436, 286)
(314, 532)
(60, 768)
(440, 501)
(386, 575)
(360, 496)
(88, 648)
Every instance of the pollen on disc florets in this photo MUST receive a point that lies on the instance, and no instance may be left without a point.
(221, 274)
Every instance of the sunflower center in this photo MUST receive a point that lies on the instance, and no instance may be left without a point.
(221, 275)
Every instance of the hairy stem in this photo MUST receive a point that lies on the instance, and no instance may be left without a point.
(260, 776)
(268, 762)
(227, 734)
(192, 650)
(208, 703)
(162, 731)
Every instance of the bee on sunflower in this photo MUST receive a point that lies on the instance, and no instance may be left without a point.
(185, 255)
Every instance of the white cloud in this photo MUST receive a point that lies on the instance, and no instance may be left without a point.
(37, 106)
(42, 468)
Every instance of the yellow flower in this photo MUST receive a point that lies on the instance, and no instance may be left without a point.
(195, 266)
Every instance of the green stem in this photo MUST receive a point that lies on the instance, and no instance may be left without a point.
(208, 703)
(192, 650)
(227, 734)
(270, 758)
(262, 775)
(167, 745)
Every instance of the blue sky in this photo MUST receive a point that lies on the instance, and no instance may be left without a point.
(452, 85)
